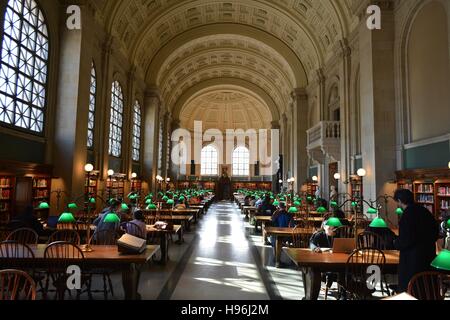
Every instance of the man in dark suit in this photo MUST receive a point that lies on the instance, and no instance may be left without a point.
(418, 233)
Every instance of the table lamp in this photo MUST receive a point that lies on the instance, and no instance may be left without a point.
(322, 210)
(334, 222)
(442, 261)
(66, 217)
(379, 223)
(44, 205)
(112, 218)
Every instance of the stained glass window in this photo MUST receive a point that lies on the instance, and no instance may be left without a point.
(241, 162)
(209, 161)
(23, 67)
(92, 101)
(137, 123)
(116, 120)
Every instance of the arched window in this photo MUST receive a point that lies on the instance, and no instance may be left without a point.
(92, 102)
(210, 161)
(23, 67)
(116, 120)
(137, 123)
(241, 162)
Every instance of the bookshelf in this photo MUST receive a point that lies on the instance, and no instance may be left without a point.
(136, 186)
(424, 194)
(356, 189)
(6, 198)
(442, 188)
(116, 185)
(311, 189)
(41, 193)
(407, 185)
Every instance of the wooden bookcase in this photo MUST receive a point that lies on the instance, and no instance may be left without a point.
(136, 186)
(356, 187)
(7, 184)
(431, 188)
(311, 188)
(41, 193)
(116, 185)
(442, 190)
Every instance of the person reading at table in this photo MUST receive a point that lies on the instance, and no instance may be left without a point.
(267, 208)
(418, 233)
(323, 238)
(101, 224)
(282, 219)
(139, 228)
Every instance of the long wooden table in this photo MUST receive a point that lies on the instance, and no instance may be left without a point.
(184, 220)
(279, 233)
(312, 265)
(107, 257)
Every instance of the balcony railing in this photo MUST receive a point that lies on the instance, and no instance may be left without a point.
(324, 139)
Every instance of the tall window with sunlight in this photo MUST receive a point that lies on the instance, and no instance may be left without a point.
(137, 123)
(92, 102)
(209, 161)
(23, 68)
(241, 162)
(116, 120)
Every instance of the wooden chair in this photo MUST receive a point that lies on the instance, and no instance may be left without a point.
(135, 230)
(24, 236)
(66, 226)
(345, 232)
(369, 239)
(104, 238)
(71, 236)
(427, 286)
(299, 239)
(62, 255)
(16, 285)
(355, 277)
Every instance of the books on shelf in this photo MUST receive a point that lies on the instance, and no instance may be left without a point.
(40, 183)
(425, 188)
(444, 191)
(5, 194)
(444, 204)
(5, 182)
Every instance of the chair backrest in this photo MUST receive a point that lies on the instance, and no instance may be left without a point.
(14, 249)
(135, 230)
(71, 236)
(300, 239)
(66, 226)
(150, 219)
(105, 238)
(369, 239)
(427, 286)
(16, 285)
(356, 271)
(345, 232)
(24, 235)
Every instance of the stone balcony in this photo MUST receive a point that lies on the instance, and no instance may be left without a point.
(324, 140)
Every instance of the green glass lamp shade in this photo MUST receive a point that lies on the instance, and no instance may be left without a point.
(354, 204)
(448, 223)
(399, 211)
(92, 200)
(293, 210)
(297, 203)
(72, 206)
(125, 206)
(372, 211)
(334, 222)
(66, 217)
(112, 218)
(379, 223)
(44, 205)
(165, 198)
(322, 210)
(333, 204)
(276, 203)
(148, 201)
(283, 199)
(170, 201)
(309, 198)
(151, 206)
(133, 197)
(442, 261)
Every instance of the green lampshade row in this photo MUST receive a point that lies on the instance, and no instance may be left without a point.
(112, 218)
(72, 206)
(379, 223)
(151, 207)
(322, 210)
(125, 206)
(297, 203)
(92, 200)
(442, 261)
(170, 201)
(276, 203)
(372, 211)
(66, 217)
(293, 210)
(334, 222)
(354, 204)
(333, 204)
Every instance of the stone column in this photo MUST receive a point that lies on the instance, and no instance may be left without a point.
(275, 125)
(166, 143)
(152, 104)
(71, 118)
(300, 124)
(378, 102)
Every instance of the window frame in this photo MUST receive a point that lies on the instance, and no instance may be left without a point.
(136, 106)
(94, 112)
(201, 161)
(247, 163)
(47, 63)
(121, 98)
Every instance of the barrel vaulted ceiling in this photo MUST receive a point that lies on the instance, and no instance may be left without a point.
(276, 46)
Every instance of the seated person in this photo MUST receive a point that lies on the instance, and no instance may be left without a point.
(138, 221)
(266, 208)
(341, 216)
(259, 202)
(252, 201)
(322, 238)
(100, 223)
(282, 219)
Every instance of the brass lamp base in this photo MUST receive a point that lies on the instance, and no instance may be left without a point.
(87, 248)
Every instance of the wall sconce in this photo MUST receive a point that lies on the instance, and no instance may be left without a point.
(315, 178)
(361, 173)
(337, 176)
